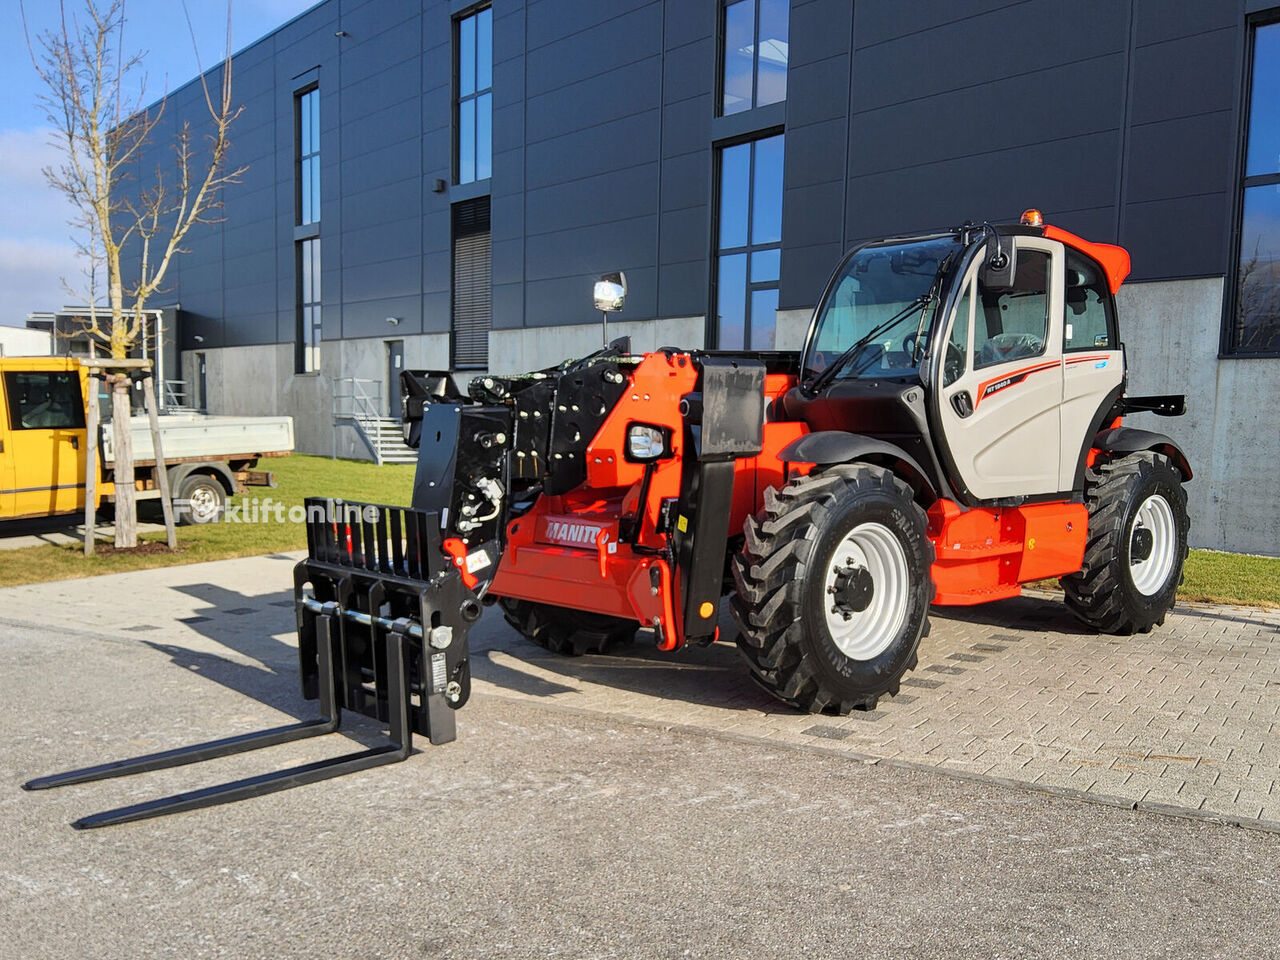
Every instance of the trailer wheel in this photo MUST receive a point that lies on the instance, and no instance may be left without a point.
(566, 631)
(1137, 545)
(833, 588)
(203, 500)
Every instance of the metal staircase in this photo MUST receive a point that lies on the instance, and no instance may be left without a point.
(357, 403)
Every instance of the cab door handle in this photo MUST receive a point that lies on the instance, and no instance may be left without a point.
(962, 402)
(75, 443)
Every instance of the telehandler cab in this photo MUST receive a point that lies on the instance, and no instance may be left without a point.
(951, 430)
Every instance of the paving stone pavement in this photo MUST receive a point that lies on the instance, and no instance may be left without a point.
(1183, 720)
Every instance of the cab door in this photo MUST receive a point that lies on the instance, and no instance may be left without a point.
(1092, 363)
(1000, 378)
(44, 410)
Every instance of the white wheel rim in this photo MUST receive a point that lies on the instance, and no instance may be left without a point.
(866, 634)
(1154, 515)
(203, 505)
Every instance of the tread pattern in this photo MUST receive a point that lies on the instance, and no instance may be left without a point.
(1099, 594)
(771, 572)
(566, 631)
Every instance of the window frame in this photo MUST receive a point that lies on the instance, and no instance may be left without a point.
(16, 409)
(300, 354)
(1227, 350)
(722, 58)
(300, 159)
(712, 332)
(473, 97)
(1108, 303)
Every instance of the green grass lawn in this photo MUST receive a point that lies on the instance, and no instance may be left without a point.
(297, 477)
(1217, 577)
(1210, 576)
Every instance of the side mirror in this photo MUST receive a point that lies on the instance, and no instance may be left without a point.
(610, 292)
(1001, 266)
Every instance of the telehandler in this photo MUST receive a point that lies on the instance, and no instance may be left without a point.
(951, 430)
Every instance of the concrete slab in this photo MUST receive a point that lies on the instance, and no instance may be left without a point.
(1187, 716)
(553, 828)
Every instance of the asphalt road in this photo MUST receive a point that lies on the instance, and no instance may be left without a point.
(546, 833)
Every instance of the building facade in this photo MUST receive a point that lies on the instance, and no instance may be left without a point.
(436, 184)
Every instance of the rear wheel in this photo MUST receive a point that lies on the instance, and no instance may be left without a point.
(203, 499)
(833, 588)
(1137, 544)
(567, 631)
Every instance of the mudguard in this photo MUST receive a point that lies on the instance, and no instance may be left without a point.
(825, 447)
(1124, 440)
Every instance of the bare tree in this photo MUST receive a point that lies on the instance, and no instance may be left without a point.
(101, 128)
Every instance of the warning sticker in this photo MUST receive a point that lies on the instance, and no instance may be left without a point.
(478, 561)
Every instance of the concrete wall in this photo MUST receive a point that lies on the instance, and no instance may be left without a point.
(522, 350)
(1170, 331)
(259, 381)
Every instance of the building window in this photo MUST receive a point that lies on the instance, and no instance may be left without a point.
(307, 112)
(754, 55)
(308, 305)
(475, 96)
(1255, 321)
(472, 308)
(749, 244)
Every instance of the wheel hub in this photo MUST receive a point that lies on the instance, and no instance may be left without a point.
(853, 590)
(1140, 548)
(1153, 545)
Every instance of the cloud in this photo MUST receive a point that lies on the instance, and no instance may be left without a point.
(36, 250)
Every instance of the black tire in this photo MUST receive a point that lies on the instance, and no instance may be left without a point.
(203, 500)
(566, 631)
(783, 593)
(1104, 594)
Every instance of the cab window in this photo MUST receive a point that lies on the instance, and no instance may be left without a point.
(1013, 324)
(1090, 314)
(44, 400)
(953, 364)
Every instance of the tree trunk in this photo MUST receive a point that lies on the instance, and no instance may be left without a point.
(122, 445)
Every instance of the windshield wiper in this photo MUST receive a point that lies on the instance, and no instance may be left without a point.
(827, 375)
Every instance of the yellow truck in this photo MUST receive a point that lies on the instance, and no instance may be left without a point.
(43, 402)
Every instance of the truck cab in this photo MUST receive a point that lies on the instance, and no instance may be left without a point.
(42, 436)
(44, 442)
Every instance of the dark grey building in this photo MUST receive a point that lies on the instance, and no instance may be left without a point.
(436, 183)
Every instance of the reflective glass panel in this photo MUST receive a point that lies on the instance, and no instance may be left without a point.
(771, 59)
(484, 49)
(764, 318)
(467, 56)
(766, 212)
(466, 141)
(735, 180)
(739, 29)
(764, 266)
(1264, 109)
(484, 136)
(1257, 320)
(731, 307)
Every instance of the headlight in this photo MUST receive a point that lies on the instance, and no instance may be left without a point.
(645, 443)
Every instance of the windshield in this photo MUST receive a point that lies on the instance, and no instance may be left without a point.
(885, 295)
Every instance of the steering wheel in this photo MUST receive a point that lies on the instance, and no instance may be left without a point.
(909, 343)
(952, 364)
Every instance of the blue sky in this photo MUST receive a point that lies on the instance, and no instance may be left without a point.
(35, 246)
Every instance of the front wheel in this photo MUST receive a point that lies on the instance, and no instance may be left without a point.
(833, 588)
(1137, 544)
